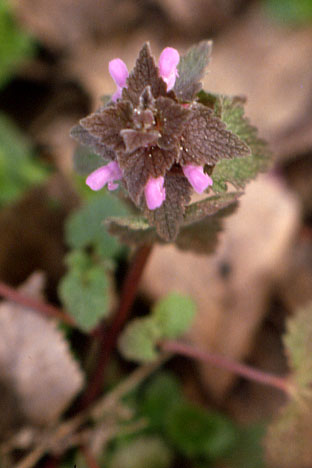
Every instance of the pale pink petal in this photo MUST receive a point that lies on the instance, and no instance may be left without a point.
(112, 186)
(117, 94)
(155, 192)
(168, 61)
(103, 175)
(197, 178)
(118, 71)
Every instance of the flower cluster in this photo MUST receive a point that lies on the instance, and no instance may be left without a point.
(159, 139)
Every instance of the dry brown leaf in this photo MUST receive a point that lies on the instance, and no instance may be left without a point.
(194, 17)
(36, 368)
(66, 23)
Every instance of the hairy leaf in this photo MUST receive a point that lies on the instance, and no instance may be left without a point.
(138, 340)
(209, 206)
(174, 314)
(205, 139)
(199, 231)
(172, 118)
(168, 218)
(142, 164)
(83, 137)
(85, 290)
(202, 237)
(85, 161)
(135, 139)
(131, 230)
(105, 125)
(191, 70)
(145, 73)
(84, 227)
(239, 171)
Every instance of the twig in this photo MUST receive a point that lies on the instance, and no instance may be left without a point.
(31, 459)
(108, 338)
(96, 411)
(224, 363)
(139, 375)
(39, 306)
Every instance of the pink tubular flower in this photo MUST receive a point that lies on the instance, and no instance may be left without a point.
(197, 178)
(119, 72)
(155, 192)
(168, 61)
(105, 175)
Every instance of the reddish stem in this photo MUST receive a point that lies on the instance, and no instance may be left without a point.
(108, 337)
(89, 458)
(42, 307)
(224, 363)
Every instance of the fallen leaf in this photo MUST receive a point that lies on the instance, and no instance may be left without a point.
(36, 367)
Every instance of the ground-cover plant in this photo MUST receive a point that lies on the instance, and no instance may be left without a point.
(15, 45)
(158, 140)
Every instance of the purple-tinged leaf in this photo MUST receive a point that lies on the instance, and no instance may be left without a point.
(145, 73)
(168, 218)
(202, 237)
(191, 69)
(132, 230)
(142, 164)
(205, 139)
(86, 139)
(239, 171)
(209, 206)
(172, 118)
(135, 139)
(106, 124)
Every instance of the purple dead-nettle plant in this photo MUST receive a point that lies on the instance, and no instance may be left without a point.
(161, 136)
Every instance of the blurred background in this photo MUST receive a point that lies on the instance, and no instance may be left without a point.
(53, 71)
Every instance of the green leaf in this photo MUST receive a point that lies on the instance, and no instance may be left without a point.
(248, 451)
(19, 170)
(85, 161)
(85, 227)
(143, 452)
(15, 45)
(202, 237)
(174, 314)
(207, 216)
(139, 339)
(132, 230)
(199, 433)
(239, 171)
(209, 206)
(85, 290)
(159, 395)
(288, 11)
(191, 69)
(298, 344)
